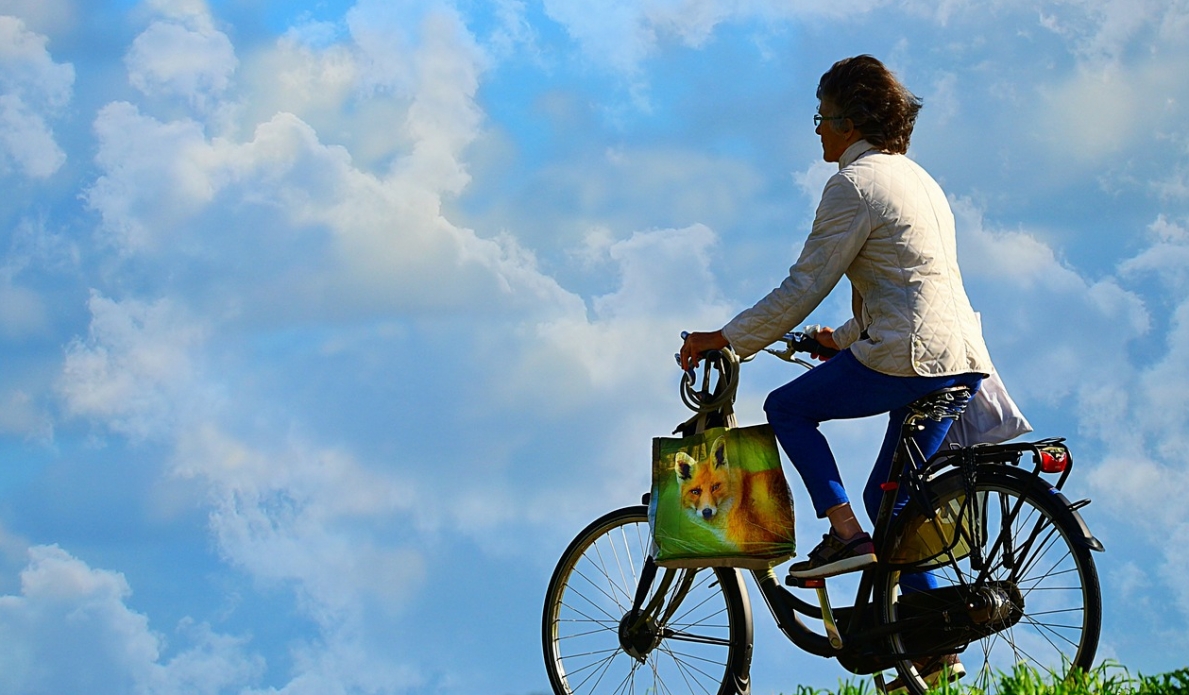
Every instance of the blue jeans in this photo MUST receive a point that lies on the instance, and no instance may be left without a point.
(842, 388)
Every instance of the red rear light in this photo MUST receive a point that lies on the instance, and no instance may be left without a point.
(1053, 460)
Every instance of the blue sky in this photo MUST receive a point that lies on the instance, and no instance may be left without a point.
(325, 325)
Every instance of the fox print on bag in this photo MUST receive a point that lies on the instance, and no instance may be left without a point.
(720, 498)
(734, 503)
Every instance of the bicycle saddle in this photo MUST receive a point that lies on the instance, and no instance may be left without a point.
(947, 403)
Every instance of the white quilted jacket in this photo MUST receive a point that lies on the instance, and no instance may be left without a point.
(885, 224)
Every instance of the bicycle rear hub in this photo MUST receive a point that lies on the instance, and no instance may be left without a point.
(996, 606)
(950, 618)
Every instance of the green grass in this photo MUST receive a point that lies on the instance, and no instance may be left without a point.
(1107, 679)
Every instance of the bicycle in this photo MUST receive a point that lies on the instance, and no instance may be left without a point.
(1009, 552)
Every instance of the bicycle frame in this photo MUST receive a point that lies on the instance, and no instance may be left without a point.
(852, 644)
(854, 635)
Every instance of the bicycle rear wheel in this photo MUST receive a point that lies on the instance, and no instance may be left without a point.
(695, 636)
(1034, 599)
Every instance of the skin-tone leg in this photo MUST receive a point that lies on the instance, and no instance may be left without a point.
(842, 518)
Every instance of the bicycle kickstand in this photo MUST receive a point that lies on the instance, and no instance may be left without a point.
(823, 598)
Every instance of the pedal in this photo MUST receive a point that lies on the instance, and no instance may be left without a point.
(801, 583)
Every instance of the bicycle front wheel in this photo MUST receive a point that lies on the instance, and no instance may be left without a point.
(694, 635)
(1014, 583)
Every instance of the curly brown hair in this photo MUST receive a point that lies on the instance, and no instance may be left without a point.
(867, 93)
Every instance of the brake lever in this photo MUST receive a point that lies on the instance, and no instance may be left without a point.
(797, 341)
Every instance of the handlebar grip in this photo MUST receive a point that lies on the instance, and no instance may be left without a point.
(803, 343)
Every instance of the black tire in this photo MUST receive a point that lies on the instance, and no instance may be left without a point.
(1040, 603)
(703, 646)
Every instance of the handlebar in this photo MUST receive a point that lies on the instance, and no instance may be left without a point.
(798, 341)
(721, 369)
(795, 342)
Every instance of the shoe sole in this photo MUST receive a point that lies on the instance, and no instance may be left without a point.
(850, 564)
(956, 671)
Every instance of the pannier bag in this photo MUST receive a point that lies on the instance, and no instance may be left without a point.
(720, 498)
(957, 523)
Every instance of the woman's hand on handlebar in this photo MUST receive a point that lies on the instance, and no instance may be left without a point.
(698, 343)
(825, 336)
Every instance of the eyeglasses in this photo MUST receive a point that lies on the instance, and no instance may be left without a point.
(818, 118)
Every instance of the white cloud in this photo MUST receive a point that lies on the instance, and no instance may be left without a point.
(131, 368)
(307, 516)
(291, 516)
(1127, 84)
(621, 35)
(144, 195)
(513, 31)
(1102, 31)
(1100, 112)
(33, 90)
(176, 60)
(386, 35)
(813, 180)
(21, 416)
(1167, 257)
(362, 241)
(622, 353)
(612, 33)
(666, 284)
(70, 630)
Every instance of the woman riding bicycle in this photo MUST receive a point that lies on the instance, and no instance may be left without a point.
(886, 225)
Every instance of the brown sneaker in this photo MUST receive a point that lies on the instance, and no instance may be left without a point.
(835, 556)
(931, 670)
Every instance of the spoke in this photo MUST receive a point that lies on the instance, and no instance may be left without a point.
(658, 684)
(700, 639)
(594, 605)
(601, 565)
(1071, 570)
(697, 657)
(1051, 539)
(1059, 610)
(709, 597)
(619, 566)
(595, 665)
(607, 624)
(630, 678)
(700, 622)
(595, 652)
(631, 556)
(687, 670)
(1043, 629)
(588, 633)
(606, 667)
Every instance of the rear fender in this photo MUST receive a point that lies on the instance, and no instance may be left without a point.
(1087, 539)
